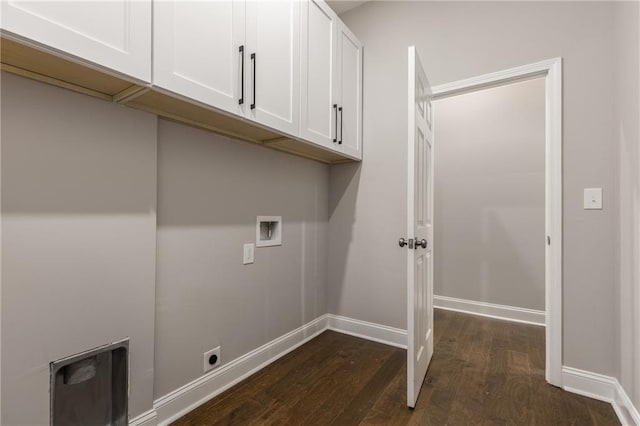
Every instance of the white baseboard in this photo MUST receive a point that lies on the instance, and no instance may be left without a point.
(632, 414)
(186, 398)
(586, 383)
(148, 418)
(603, 388)
(491, 310)
(368, 330)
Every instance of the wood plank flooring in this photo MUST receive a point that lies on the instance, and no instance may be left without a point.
(484, 372)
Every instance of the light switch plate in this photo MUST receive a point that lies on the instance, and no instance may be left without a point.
(248, 251)
(593, 198)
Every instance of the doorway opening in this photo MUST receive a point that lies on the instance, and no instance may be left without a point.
(542, 305)
(489, 198)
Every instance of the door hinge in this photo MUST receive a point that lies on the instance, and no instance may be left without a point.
(548, 240)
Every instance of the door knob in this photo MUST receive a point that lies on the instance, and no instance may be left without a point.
(402, 242)
(421, 243)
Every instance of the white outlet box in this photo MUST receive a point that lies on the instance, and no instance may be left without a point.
(593, 198)
(207, 355)
(248, 253)
(268, 231)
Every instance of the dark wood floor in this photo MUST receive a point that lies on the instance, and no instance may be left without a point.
(483, 371)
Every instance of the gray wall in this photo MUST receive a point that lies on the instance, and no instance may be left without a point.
(78, 239)
(79, 184)
(210, 190)
(458, 40)
(489, 195)
(628, 134)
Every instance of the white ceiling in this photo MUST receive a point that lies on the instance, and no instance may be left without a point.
(341, 6)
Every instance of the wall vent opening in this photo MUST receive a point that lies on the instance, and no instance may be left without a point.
(92, 387)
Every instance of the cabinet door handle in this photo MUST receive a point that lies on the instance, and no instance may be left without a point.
(253, 59)
(340, 141)
(335, 109)
(241, 100)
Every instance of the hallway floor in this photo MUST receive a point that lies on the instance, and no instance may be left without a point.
(483, 371)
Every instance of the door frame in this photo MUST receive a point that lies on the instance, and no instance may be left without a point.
(551, 70)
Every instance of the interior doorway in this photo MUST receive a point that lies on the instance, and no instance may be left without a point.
(489, 198)
(548, 74)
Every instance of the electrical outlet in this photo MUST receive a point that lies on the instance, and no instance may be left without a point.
(212, 359)
(247, 257)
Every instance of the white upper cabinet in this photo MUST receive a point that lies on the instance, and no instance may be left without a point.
(285, 73)
(289, 65)
(114, 34)
(273, 72)
(319, 111)
(239, 56)
(331, 81)
(199, 51)
(349, 93)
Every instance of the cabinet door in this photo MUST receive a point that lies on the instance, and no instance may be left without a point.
(273, 41)
(350, 93)
(318, 120)
(197, 51)
(113, 34)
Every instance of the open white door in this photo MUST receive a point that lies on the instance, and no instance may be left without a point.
(419, 229)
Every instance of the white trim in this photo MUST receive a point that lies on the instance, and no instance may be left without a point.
(148, 418)
(412, 395)
(0, 250)
(586, 383)
(368, 330)
(553, 223)
(497, 78)
(552, 71)
(632, 415)
(491, 310)
(602, 388)
(186, 398)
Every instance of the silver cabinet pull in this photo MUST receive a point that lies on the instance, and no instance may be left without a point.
(335, 109)
(340, 141)
(253, 59)
(241, 100)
